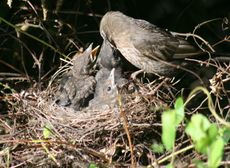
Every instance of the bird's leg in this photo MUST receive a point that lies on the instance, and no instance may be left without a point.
(134, 74)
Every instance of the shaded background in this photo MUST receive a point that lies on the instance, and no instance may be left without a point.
(72, 24)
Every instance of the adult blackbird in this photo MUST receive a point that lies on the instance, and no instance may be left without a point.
(143, 44)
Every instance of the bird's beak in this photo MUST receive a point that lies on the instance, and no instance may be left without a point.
(94, 53)
(112, 76)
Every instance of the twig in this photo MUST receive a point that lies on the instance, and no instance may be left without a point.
(198, 37)
(210, 105)
(173, 154)
(31, 36)
(198, 26)
(126, 128)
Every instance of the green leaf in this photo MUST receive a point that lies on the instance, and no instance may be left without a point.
(199, 164)
(197, 128)
(92, 165)
(158, 148)
(169, 166)
(212, 132)
(202, 145)
(216, 152)
(47, 131)
(168, 129)
(179, 107)
(170, 120)
(226, 135)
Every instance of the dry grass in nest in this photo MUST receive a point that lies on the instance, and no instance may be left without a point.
(83, 136)
(110, 137)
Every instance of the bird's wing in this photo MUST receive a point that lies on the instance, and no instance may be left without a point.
(154, 42)
(185, 49)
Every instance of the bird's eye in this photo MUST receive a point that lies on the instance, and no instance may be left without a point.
(109, 88)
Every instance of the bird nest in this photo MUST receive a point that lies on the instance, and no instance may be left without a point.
(41, 133)
(86, 136)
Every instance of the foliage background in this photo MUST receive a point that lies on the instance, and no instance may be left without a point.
(71, 24)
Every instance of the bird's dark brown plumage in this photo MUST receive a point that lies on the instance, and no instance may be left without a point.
(143, 44)
(108, 57)
(77, 86)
